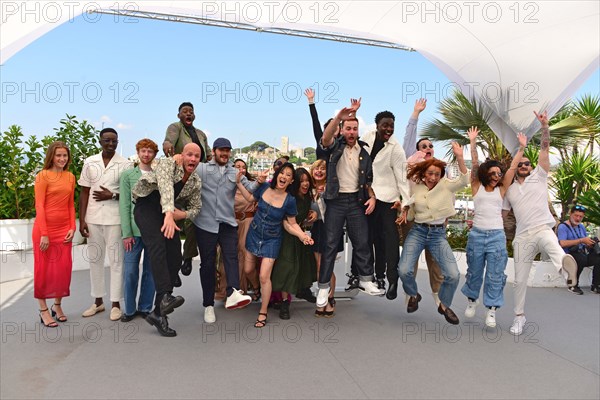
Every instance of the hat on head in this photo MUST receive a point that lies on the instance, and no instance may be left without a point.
(221, 143)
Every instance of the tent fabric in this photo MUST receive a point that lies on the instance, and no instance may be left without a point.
(515, 57)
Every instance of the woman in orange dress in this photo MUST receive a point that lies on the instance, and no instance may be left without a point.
(53, 232)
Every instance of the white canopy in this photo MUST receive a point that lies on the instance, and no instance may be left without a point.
(516, 57)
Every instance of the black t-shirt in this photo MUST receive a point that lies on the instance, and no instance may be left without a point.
(192, 131)
(377, 146)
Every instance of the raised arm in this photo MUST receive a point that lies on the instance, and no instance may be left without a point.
(460, 158)
(317, 130)
(544, 157)
(472, 133)
(344, 114)
(510, 173)
(410, 137)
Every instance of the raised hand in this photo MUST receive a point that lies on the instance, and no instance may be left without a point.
(522, 139)
(346, 113)
(355, 104)
(472, 133)
(542, 117)
(457, 150)
(310, 95)
(262, 176)
(420, 105)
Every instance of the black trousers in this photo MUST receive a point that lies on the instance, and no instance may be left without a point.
(585, 260)
(384, 241)
(227, 238)
(346, 209)
(165, 254)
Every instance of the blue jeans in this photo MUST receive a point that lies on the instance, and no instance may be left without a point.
(131, 263)
(434, 239)
(486, 249)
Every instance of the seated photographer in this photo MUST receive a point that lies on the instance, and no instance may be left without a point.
(573, 238)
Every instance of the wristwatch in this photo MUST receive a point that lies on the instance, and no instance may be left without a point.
(115, 196)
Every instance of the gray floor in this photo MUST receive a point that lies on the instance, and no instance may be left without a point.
(371, 349)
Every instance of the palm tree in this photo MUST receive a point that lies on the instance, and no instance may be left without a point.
(459, 114)
(574, 176)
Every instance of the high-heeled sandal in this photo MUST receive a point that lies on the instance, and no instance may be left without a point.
(59, 318)
(329, 314)
(52, 324)
(260, 323)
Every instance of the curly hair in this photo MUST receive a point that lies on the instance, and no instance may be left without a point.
(384, 114)
(146, 143)
(416, 172)
(483, 171)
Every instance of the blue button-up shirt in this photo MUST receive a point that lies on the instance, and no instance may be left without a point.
(218, 193)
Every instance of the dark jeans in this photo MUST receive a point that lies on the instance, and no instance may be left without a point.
(384, 241)
(586, 260)
(346, 209)
(227, 238)
(165, 254)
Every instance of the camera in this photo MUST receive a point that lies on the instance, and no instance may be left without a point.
(596, 246)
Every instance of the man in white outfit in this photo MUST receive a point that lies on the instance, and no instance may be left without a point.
(528, 197)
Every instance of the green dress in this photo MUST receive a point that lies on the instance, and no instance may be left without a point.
(295, 268)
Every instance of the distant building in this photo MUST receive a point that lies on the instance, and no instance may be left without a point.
(299, 153)
(285, 144)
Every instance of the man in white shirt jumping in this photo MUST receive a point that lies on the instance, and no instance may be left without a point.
(528, 197)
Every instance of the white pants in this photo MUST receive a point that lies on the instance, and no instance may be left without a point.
(526, 246)
(105, 241)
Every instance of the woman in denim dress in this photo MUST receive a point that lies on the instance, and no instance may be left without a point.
(276, 210)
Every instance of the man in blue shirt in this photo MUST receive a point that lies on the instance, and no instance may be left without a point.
(216, 224)
(573, 238)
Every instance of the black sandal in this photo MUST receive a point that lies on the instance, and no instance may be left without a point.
(260, 323)
(52, 324)
(60, 318)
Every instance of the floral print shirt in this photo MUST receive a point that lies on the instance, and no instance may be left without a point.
(162, 178)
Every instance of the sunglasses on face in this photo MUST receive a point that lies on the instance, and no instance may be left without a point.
(424, 146)
(278, 163)
(579, 208)
(498, 174)
(526, 163)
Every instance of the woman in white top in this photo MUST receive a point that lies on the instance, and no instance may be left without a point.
(486, 246)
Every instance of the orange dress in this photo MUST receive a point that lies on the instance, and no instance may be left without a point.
(55, 215)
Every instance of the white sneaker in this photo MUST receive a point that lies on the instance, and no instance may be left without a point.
(517, 326)
(322, 297)
(490, 318)
(237, 299)
(370, 288)
(209, 315)
(569, 265)
(436, 298)
(471, 307)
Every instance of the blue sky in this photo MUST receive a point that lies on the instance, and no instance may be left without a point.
(245, 86)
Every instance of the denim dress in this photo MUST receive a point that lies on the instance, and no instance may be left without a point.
(266, 230)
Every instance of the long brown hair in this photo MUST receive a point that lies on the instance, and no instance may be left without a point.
(416, 172)
(49, 161)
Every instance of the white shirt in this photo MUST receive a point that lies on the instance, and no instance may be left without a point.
(529, 201)
(94, 175)
(488, 209)
(347, 169)
(389, 170)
